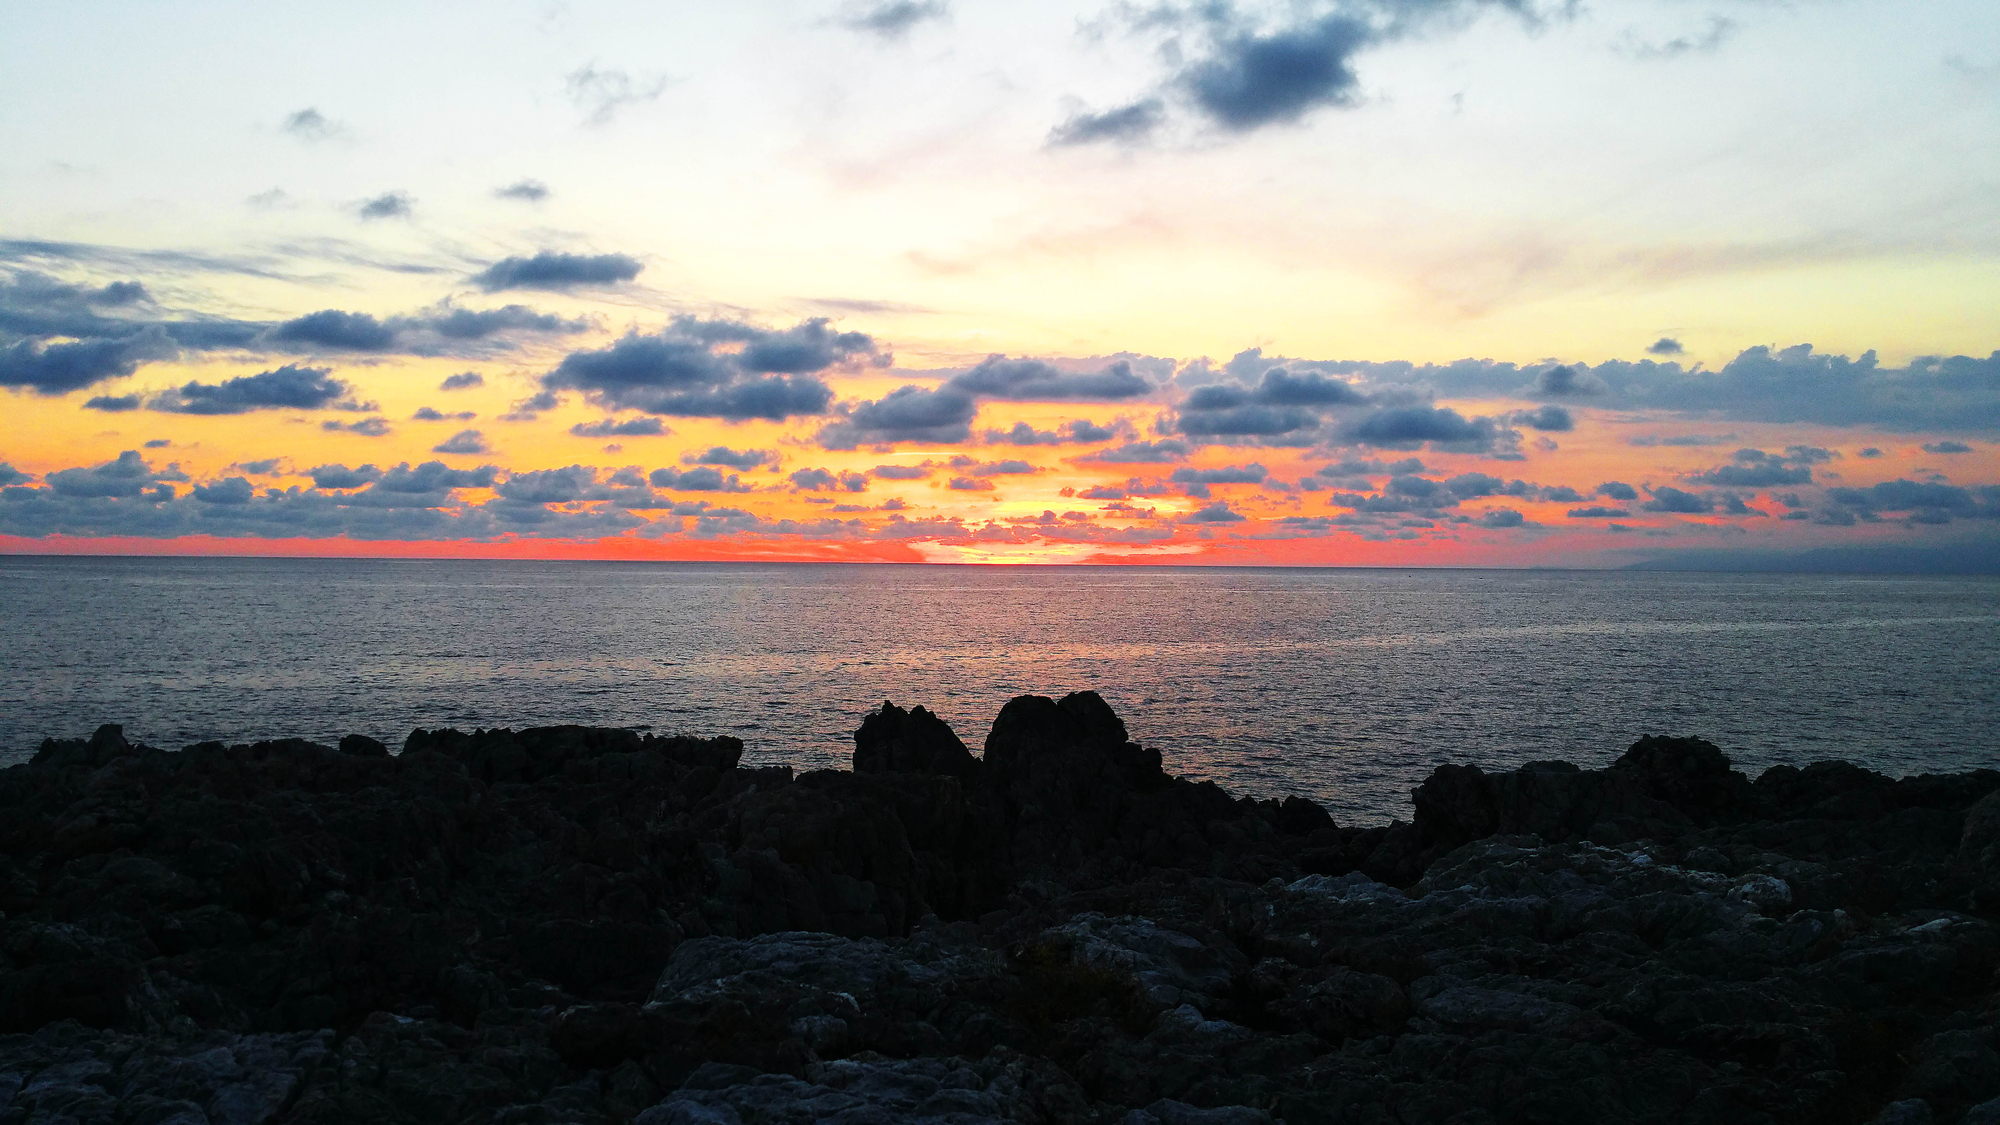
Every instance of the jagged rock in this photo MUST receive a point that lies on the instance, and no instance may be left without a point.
(892, 740)
(571, 925)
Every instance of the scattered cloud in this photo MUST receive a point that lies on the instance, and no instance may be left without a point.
(907, 414)
(1665, 345)
(1139, 453)
(731, 458)
(1551, 418)
(464, 441)
(523, 191)
(333, 328)
(288, 387)
(612, 427)
(1946, 447)
(1127, 124)
(309, 124)
(366, 427)
(702, 479)
(893, 19)
(1706, 41)
(549, 269)
(824, 480)
(717, 368)
(1218, 512)
(59, 368)
(462, 381)
(388, 205)
(603, 94)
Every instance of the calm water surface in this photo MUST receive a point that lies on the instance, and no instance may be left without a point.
(1348, 685)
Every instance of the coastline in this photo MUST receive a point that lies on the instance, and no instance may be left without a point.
(577, 924)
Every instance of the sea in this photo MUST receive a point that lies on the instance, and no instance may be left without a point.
(1346, 685)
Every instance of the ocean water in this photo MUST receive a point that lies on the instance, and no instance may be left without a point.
(1346, 685)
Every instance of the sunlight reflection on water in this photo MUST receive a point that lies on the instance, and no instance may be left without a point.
(1345, 684)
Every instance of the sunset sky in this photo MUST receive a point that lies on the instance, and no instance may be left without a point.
(1427, 282)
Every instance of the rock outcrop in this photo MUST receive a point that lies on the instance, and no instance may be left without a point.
(568, 924)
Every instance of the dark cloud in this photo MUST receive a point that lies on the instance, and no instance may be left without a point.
(54, 369)
(993, 468)
(478, 324)
(1468, 486)
(1139, 453)
(822, 480)
(526, 191)
(1550, 418)
(1254, 80)
(552, 270)
(340, 476)
(1665, 345)
(1939, 393)
(9, 475)
(309, 124)
(112, 404)
(1938, 502)
(1126, 124)
(366, 427)
(1946, 447)
(1674, 500)
(288, 387)
(612, 427)
(127, 497)
(1502, 517)
(702, 479)
(1032, 380)
(430, 479)
(893, 19)
(717, 368)
(1081, 431)
(388, 205)
(1871, 453)
(907, 414)
(1218, 512)
(464, 441)
(1564, 381)
(808, 346)
(1233, 474)
(1754, 468)
(905, 472)
(462, 380)
(1617, 490)
(130, 475)
(332, 328)
(550, 486)
(1412, 427)
(731, 458)
(428, 414)
(1597, 513)
(119, 294)
(1281, 402)
(229, 490)
(970, 484)
(1691, 441)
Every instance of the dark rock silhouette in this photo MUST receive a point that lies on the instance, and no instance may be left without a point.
(569, 924)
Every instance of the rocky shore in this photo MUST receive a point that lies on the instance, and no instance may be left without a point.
(575, 925)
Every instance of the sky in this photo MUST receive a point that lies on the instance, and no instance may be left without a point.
(1324, 282)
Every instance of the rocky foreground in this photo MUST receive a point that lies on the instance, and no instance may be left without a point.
(578, 925)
